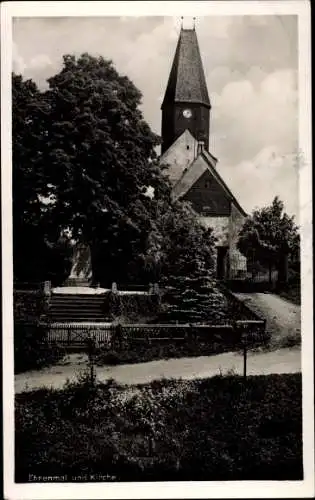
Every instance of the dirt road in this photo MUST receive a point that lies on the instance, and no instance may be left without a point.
(283, 318)
(281, 361)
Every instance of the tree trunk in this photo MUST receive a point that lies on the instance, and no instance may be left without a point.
(283, 270)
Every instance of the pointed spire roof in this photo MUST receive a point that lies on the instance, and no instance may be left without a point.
(187, 82)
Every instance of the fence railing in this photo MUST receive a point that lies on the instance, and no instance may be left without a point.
(255, 272)
(45, 287)
(76, 334)
(104, 334)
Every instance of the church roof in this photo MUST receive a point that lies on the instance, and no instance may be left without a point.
(195, 171)
(187, 82)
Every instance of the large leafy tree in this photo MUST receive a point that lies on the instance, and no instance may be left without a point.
(31, 215)
(102, 160)
(271, 237)
(85, 163)
(83, 159)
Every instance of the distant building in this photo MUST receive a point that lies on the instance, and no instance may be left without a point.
(185, 150)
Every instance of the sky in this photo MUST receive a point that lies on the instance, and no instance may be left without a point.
(251, 68)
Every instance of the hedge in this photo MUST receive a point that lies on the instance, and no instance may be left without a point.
(31, 349)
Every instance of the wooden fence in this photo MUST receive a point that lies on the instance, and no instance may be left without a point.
(75, 335)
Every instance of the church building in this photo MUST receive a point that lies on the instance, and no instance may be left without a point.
(191, 167)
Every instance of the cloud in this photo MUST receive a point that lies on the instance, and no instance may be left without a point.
(39, 61)
(250, 64)
(18, 63)
(256, 182)
(255, 124)
(38, 68)
(248, 117)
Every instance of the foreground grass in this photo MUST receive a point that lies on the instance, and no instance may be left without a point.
(215, 429)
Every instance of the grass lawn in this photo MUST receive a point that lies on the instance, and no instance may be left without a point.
(214, 429)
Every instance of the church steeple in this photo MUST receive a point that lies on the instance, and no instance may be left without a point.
(186, 103)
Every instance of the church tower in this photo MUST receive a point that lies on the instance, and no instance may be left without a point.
(186, 103)
(190, 166)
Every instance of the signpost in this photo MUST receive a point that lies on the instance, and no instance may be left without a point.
(248, 335)
(245, 359)
(243, 328)
(91, 345)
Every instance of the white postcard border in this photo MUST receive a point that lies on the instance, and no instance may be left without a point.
(240, 489)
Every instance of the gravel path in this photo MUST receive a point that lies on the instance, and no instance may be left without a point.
(283, 317)
(280, 361)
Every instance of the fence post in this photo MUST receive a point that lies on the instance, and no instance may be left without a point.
(91, 352)
(245, 359)
(46, 294)
(47, 288)
(119, 335)
(69, 335)
(242, 328)
(111, 337)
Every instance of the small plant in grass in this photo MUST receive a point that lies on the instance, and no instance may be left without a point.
(84, 378)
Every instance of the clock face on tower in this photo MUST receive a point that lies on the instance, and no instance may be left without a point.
(187, 113)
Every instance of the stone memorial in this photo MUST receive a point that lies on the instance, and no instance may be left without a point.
(81, 271)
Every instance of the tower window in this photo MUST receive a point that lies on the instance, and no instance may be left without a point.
(207, 184)
(187, 147)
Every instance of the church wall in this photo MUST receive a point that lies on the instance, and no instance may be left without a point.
(238, 266)
(208, 197)
(220, 226)
(226, 230)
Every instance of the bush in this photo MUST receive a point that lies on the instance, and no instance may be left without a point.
(29, 305)
(194, 299)
(31, 350)
(215, 429)
(292, 293)
(132, 307)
